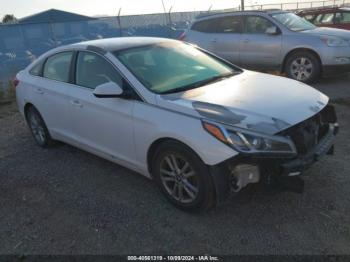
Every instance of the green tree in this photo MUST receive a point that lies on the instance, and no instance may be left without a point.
(9, 19)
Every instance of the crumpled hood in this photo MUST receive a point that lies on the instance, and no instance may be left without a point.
(345, 34)
(255, 101)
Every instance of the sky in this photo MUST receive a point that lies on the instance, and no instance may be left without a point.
(22, 8)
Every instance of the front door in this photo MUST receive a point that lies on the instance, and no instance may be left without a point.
(104, 125)
(260, 50)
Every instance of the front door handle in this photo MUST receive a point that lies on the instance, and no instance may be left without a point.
(38, 91)
(214, 40)
(246, 40)
(76, 103)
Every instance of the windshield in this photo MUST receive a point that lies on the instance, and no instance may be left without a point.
(293, 22)
(173, 67)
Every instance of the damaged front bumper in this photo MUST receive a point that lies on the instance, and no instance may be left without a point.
(234, 174)
(325, 146)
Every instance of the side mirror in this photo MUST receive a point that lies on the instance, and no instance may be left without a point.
(108, 90)
(272, 30)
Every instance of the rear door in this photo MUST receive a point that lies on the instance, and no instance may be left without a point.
(226, 40)
(104, 125)
(260, 50)
(50, 92)
(220, 35)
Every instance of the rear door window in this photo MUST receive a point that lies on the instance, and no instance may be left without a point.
(342, 18)
(37, 69)
(346, 17)
(227, 24)
(318, 19)
(327, 19)
(206, 26)
(309, 18)
(57, 67)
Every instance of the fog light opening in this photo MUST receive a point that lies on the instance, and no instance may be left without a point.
(242, 175)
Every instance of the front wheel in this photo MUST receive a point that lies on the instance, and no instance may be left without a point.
(303, 66)
(183, 177)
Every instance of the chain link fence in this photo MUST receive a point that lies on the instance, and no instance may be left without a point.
(293, 6)
(20, 44)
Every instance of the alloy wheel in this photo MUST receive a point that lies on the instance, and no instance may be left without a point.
(37, 128)
(179, 178)
(301, 68)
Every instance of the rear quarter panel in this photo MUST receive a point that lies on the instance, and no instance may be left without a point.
(21, 91)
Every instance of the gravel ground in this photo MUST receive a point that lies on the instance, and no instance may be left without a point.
(66, 201)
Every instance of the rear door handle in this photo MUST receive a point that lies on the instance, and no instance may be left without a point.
(214, 40)
(76, 103)
(246, 40)
(38, 91)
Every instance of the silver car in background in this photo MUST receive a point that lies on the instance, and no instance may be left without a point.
(273, 40)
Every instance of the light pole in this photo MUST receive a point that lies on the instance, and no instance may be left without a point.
(242, 5)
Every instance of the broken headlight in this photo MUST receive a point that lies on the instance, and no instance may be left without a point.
(250, 142)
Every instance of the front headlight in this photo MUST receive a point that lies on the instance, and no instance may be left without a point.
(246, 141)
(333, 41)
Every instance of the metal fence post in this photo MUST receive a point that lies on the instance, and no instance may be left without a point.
(52, 33)
(165, 17)
(170, 23)
(120, 23)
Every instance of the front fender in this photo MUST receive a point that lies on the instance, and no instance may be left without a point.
(152, 123)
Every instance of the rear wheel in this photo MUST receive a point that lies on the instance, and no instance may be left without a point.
(303, 66)
(38, 128)
(183, 177)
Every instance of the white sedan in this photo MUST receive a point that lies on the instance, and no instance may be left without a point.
(201, 127)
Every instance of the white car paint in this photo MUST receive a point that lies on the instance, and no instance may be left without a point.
(123, 130)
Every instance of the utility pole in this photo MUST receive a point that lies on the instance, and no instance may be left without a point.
(242, 5)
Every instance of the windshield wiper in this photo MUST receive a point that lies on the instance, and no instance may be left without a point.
(200, 83)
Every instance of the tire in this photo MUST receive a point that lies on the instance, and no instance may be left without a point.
(303, 66)
(191, 189)
(38, 128)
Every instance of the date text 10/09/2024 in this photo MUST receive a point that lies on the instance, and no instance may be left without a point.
(173, 258)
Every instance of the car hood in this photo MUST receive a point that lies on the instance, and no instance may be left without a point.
(329, 32)
(250, 100)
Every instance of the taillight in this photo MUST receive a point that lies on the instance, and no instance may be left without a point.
(15, 82)
(182, 36)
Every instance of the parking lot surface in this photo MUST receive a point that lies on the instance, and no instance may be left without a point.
(66, 201)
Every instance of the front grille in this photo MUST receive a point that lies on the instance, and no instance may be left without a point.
(308, 133)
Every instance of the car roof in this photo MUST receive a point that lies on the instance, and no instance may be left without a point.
(119, 43)
(218, 14)
(322, 10)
